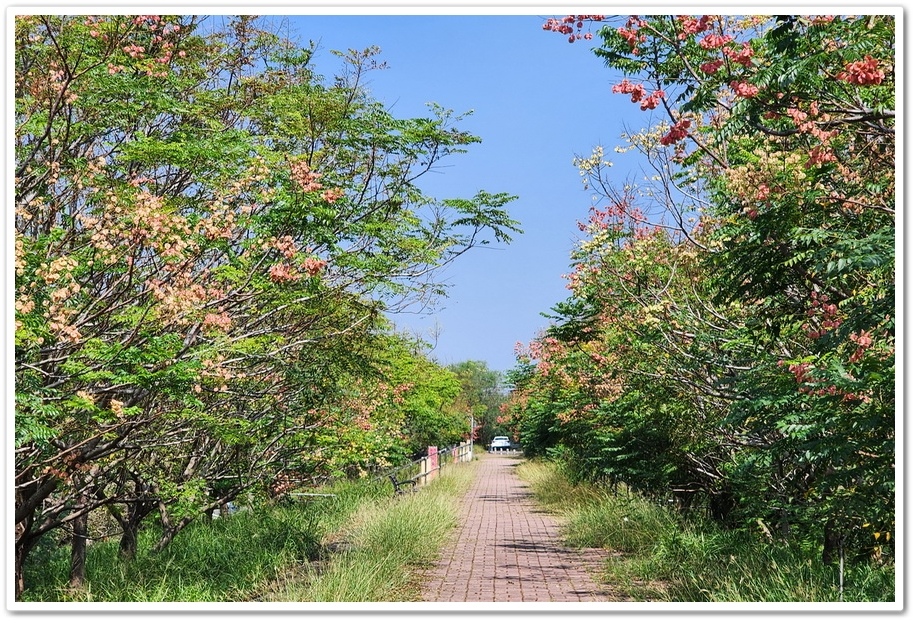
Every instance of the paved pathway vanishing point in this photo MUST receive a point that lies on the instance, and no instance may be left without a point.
(508, 550)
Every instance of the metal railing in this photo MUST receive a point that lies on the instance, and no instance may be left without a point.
(426, 468)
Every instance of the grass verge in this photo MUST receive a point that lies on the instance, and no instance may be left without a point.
(362, 544)
(382, 546)
(210, 561)
(656, 554)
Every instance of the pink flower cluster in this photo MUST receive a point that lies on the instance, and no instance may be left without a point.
(220, 321)
(678, 132)
(819, 155)
(863, 341)
(691, 25)
(712, 66)
(333, 194)
(631, 37)
(313, 266)
(814, 386)
(565, 24)
(801, 372)
(637, 93)
(287, 246)
(744, 89)
(713, 41)
(630, 33)
(152, 20)
(281, 272)
(284, 271)
(824, 316)
(741, 56)
(805, 123)
(652, 101)
(613, 216)
(133, 50)
(308, 181)
(863, 73)
(305, 177)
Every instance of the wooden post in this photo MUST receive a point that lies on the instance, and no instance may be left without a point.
(432, 455)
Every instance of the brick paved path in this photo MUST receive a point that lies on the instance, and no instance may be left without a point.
(507, 550)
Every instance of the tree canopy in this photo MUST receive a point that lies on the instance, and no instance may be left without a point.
(207, 236)
(730, 333)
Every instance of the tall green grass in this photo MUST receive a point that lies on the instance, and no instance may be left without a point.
(655, 554)
(357, 545)
(210, 561)
(384, 544)
(247, 556)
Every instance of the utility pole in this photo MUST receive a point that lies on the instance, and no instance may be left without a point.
(472, 433)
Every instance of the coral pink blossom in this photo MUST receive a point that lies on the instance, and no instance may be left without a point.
(313, 266)
(134, 50)
(677, 132)
(692, 25)
(305, 177)
(563, 26)
(711, 67)
(220, 321)
(713, 41)
(863, 339)
(629, 35)
(863, 73)
(652, 101)
(742, 56)
(744, 89)
(282, 272)
(800, 370)
(331, 195)
(636, 91)
(820, 155)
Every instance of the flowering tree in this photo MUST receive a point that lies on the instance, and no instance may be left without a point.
(206, 236)
(741, 301)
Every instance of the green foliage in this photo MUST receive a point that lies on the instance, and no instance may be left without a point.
(207, 237)
(730, 339)
(482, 395)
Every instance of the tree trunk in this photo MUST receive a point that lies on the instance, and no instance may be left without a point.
(127, 548)
(832, 541)
(25, 541)
(23, 545)
(130, 524)
(78, 547)
(169, 531)
(20, 578)
(784, 528)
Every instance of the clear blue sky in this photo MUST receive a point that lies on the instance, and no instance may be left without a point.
(538, 101)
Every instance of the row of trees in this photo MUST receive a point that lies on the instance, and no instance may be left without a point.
(729, 338)
(208, 235)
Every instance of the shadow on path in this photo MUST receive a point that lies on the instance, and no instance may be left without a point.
(506, 549)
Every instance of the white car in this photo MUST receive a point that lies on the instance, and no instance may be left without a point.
(500, 443)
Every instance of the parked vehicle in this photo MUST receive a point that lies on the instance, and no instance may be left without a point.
(500, 443)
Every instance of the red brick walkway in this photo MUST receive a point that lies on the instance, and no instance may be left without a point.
(507, 550)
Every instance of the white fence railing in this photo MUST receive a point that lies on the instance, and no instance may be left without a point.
(426, 468)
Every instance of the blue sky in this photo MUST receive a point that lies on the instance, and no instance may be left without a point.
(538, 101)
